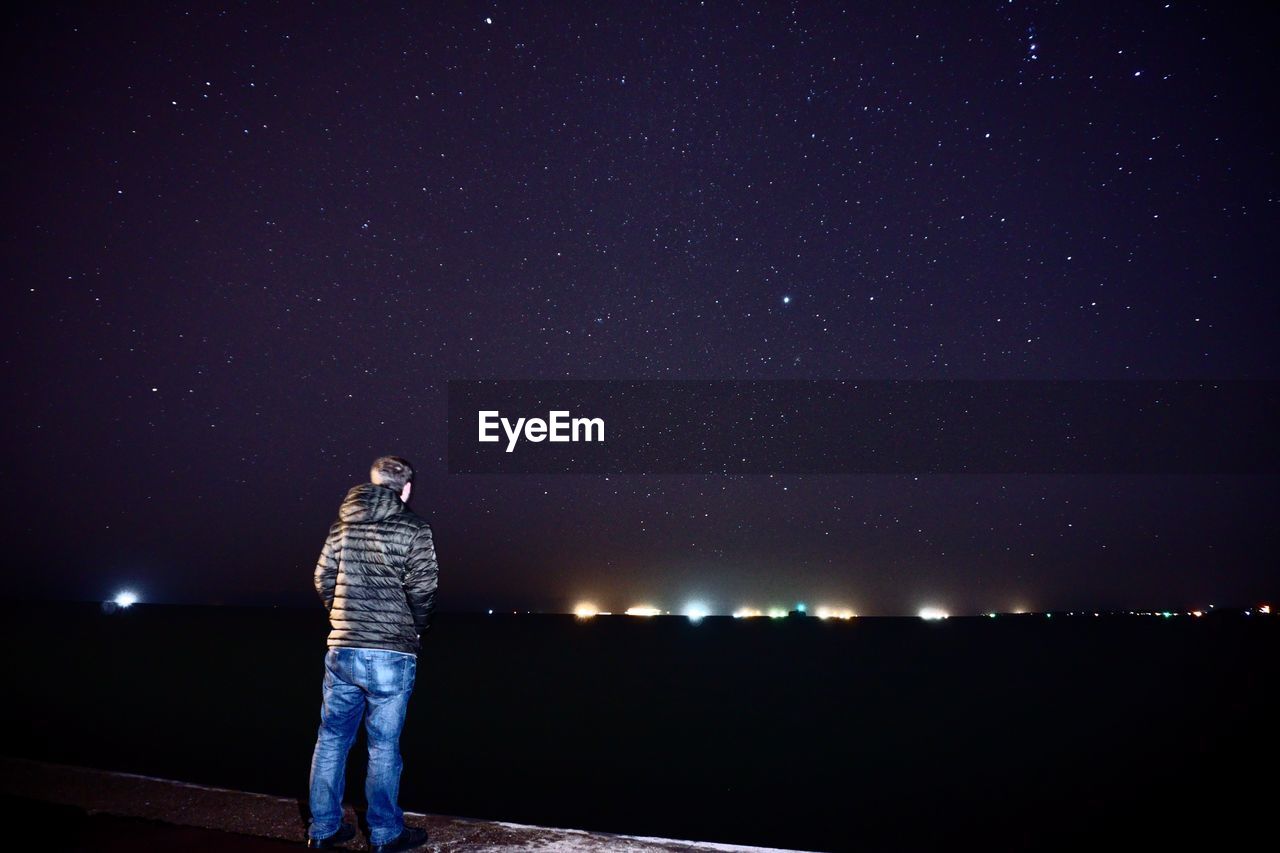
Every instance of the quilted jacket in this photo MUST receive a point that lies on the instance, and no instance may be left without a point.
(377, 573)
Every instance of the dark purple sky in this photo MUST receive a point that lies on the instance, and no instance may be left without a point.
(247, 244)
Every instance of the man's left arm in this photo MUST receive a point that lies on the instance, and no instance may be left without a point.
(326, 574)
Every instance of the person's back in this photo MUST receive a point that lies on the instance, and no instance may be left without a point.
(365, 576)
(377, 577)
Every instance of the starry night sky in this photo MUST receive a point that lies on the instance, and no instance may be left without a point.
(246, 245)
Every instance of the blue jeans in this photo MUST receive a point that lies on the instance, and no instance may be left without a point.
(375, 684)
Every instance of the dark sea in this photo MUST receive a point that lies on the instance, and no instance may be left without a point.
(1019, 732)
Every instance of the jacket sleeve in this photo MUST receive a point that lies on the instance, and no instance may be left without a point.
(420, 578)
(326, 575)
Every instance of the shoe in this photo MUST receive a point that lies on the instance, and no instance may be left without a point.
(409, 838)
(345, 833)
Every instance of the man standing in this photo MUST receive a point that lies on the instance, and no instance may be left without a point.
(377, 578)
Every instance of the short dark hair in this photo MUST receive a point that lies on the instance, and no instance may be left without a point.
(391, 471)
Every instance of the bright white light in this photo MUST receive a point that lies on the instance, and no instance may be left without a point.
(777, 613)
(125, 599)
(643, 610)
(585, 611)
(933, 613)
(1266, 608)
(835, 613)
(696, 611)
(746, 613)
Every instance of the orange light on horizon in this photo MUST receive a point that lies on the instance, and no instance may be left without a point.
(585, 611)
(835, 613)
(643, 610)
(747, 613)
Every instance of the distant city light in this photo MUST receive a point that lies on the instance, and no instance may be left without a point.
(125, 599)
(695, 611)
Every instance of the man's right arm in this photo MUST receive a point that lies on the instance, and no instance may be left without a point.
(420, 579)
(326, 575)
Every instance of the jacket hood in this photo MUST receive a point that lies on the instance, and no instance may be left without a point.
(369, 502)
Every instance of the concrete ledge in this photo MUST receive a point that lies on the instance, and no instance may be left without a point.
(264, 816)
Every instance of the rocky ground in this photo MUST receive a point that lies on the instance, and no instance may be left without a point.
(77, 808)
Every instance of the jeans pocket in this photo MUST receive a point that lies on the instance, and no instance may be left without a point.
(410, 673)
